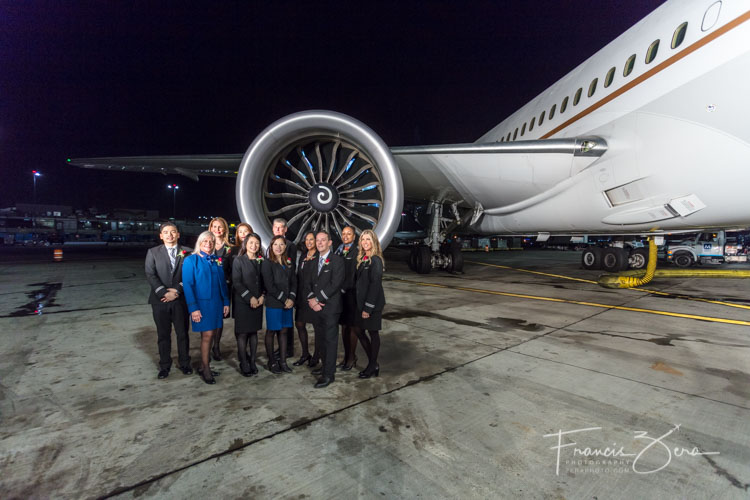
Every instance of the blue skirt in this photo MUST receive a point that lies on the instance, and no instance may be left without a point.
(212, 316)
(276, 319)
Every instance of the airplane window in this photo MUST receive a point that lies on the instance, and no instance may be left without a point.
(679, 35)
(541, 118)
(577, 97)
(610, 76)
(523, 129)
(531, 127)
(629, 66)
(652, 50)
(592, 87)
(515, 134)
(564, 105)
(552, 111)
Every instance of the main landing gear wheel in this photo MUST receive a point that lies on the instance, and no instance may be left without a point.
(422, 260)
(592, 258)
(638, 258)
(614, 259)
(457, 258)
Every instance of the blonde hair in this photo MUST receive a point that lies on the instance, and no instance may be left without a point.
(223, 222)
(205, 235)
(376, 250)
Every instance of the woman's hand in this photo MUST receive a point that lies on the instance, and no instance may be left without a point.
(262, 300)
(288, 304)
(196, 316)
(226, 311)
(254, 302)
(365, 315)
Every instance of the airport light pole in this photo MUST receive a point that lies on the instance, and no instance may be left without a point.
(35, 174)
(174, 188)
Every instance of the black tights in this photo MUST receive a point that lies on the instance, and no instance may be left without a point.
(206, 338)
(281, 336)
(349, 339)
(217, 342)
(371, 345)
(302, 334)
(246, 362)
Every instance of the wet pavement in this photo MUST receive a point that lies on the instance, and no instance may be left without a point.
(495, 383)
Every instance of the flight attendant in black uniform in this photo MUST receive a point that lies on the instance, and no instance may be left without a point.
(279, 228)
(280, 282)
(223, 251)
(164, 275)
(348, 251)
(248, 301)
(323, 292)
(305, 261)
(370, 300)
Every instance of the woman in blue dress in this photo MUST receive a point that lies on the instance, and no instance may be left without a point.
(280, 282)
(206, 294)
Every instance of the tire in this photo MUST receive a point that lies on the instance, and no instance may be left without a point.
(614, 259)
(591, 258)
(413, 259)
(423, 260)
(457, 259)
(638, 258)
(682, 259)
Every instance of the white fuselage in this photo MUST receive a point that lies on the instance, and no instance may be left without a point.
(675, 127)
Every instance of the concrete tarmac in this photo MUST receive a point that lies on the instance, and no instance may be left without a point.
(498, 383)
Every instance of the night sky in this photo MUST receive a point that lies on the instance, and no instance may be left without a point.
(116, 78)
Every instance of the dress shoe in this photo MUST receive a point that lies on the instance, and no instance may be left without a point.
(273, 368)
(285, 367)
(209, 380)
(317, 371)
(245, 371)
(346, 367)
(323, 382)
(370, 372)
(313, 362)
(301, 361)
(186, 370)
(253, 369)
(163, 374)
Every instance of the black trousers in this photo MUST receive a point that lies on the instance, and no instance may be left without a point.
(167, 314)
(326, 328)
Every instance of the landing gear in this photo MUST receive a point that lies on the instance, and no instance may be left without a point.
(434, 254)
(614, 259)
(592, 258)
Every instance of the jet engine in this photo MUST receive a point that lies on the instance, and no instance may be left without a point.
(319, 170)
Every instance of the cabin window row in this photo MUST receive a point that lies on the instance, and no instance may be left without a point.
(677, 38)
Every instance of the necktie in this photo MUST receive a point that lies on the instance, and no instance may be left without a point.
(172, 254)
(321, 261)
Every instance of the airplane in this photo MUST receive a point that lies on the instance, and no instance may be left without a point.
(646, 137)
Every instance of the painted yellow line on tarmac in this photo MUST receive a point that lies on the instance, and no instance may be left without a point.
(579, 302)
(644, 290)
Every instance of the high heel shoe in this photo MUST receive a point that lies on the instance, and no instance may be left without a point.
(285, 367)
(246, 372)
(366, 373)
(349, 367)
(207, 380)
(253, 369)
(301, 361)
(273, 368)
(216, 353)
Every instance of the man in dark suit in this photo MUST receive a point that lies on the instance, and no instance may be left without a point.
(164, 275)
(322, 288)
(280, 228)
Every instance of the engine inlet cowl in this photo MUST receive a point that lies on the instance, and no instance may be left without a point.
(319, 170)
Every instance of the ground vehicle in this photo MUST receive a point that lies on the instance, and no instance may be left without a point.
(704, 248)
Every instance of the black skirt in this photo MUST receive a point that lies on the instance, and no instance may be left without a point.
(247, 319)
(349, 302)
(374, 322)
(303, 313)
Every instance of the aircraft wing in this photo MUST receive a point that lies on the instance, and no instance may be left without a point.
(191, 166)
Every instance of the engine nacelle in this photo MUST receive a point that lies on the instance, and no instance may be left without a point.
(320, 170)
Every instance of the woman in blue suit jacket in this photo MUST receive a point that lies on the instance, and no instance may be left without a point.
(206, 294)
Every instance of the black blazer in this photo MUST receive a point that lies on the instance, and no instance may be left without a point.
(280, 283)
(350, 265)
(291, 250)
(370, 296)
(326, 286)
(304, 267)
(246, 279)
(159, 275)
(227, 254)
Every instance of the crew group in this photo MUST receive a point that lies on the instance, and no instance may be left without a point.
(324, 288)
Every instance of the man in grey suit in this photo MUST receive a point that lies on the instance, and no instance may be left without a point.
(164, 275)
(323, 292)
